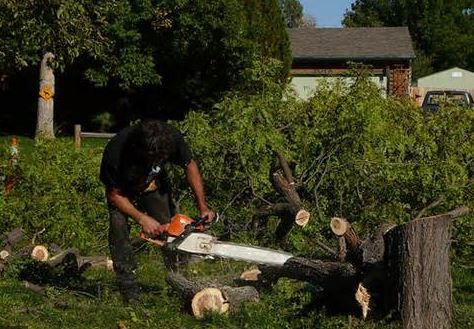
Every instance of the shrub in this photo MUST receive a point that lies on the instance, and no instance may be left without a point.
(59, 190)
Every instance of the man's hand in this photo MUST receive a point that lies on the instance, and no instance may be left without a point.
(208, 215)
(150, 226)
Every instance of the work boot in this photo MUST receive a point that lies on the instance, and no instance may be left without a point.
(129, 289)
(130, 296)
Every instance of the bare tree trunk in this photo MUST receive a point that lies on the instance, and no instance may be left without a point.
(417, 256)
(45, 119)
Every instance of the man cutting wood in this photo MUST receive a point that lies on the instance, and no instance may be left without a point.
(137, 187)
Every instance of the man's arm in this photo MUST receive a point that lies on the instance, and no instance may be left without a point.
(193, 177)
(149, 224)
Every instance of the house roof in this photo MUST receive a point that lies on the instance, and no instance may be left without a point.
(360, 43)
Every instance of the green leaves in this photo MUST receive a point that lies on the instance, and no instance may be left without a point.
(354, 153)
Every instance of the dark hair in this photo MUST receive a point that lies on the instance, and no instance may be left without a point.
(148, 143)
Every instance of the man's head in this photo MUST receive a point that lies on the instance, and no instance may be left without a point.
(149, 143)
(152, 142)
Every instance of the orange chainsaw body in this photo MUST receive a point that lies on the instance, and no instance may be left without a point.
(176, 227)
(178, 224)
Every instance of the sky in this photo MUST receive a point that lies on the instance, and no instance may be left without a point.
(328, 13)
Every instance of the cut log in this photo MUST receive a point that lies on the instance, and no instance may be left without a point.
(206, 297)
(302, 218)
(208, 300)
(96, 261)
(417, 261)
(40, 253)
(313, 271)
(251, 275)
(4, 254)
(362, 296)
(342, 228)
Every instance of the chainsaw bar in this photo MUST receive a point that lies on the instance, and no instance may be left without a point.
(205, 244)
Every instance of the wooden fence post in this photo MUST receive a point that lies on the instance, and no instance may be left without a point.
(77, 136)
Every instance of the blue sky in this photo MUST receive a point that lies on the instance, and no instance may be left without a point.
(328, 13)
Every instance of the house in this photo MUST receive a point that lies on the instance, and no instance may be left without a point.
(326, 53)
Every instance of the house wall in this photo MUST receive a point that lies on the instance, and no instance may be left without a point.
(305, 86)
(393, 78)
(454, 78)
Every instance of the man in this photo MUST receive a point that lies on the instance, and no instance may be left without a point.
(136, 187)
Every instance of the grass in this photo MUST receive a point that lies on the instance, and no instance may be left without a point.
(99, 304)
(27, 144)
(96, 303)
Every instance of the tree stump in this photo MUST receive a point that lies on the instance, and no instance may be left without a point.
(417, 260)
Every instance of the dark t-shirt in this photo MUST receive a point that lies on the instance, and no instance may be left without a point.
(113, 155)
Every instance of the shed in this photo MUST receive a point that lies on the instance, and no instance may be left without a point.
(453, 78)
(326, 53)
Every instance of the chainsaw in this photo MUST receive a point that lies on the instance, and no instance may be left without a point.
(186, 235)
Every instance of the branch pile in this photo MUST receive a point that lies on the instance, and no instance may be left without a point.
(40, 266)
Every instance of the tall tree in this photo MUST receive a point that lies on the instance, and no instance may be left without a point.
(292, 12)
(442, 30)
(266, 26)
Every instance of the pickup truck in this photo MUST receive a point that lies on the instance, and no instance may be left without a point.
(434, 98)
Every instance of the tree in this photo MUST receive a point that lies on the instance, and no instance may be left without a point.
(266, 26)
(292, 12)
(163, 55)
(442, 30)
(208, 48)
(102, 33)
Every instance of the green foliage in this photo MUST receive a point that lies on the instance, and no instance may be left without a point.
(104, 121)
(103, 33)
(442, 30)
(197, 49)
(267, 28)
(355, 154)
(292, 12)
(209, 45)
(235, 143)
(66, 28)
(203, 38)
(58, 189)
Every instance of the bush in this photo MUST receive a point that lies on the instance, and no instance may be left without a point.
(58, 189)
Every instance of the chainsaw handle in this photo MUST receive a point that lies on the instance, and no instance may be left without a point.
(156, 242)
(203, 220)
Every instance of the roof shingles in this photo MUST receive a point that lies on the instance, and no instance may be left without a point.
(351, 43)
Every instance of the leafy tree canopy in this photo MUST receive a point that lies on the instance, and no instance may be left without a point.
(103, 31)
(292, 12)
(196, 49)
(442, 30)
